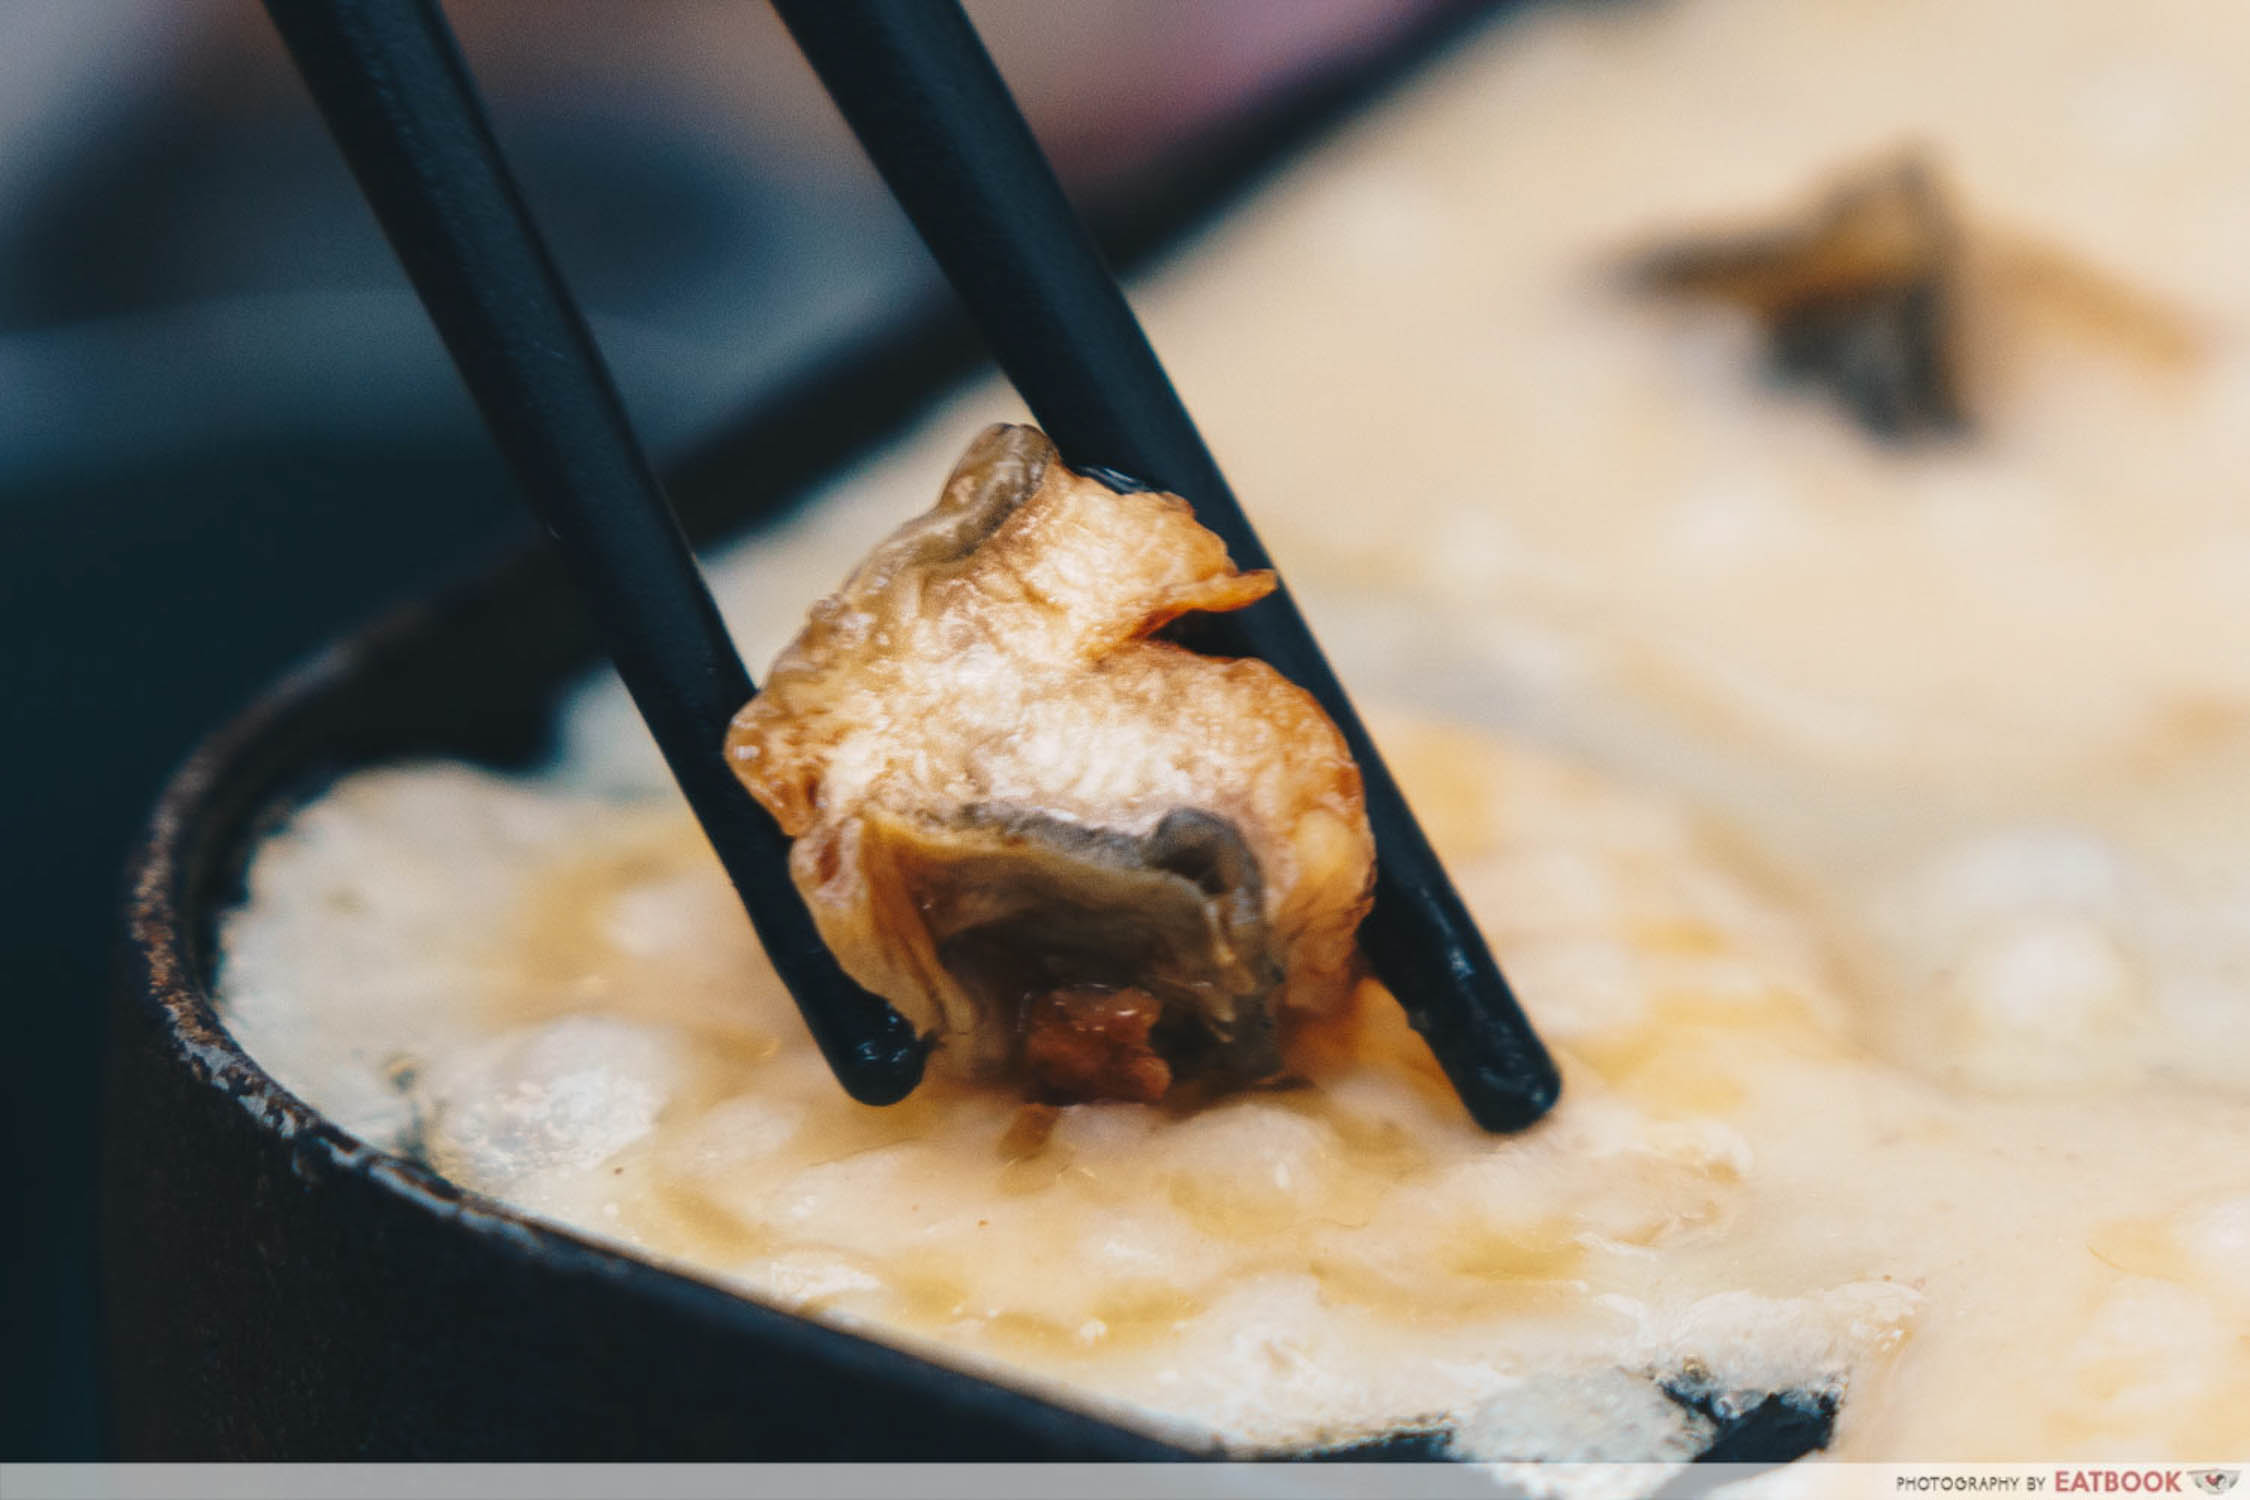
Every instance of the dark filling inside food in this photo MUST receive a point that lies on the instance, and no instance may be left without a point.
(1126, 963)
(1859, 301)
(1095, 1044)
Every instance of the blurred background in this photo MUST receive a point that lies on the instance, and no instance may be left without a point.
(227, 433)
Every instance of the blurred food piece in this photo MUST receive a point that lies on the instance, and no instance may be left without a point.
(1905, 312)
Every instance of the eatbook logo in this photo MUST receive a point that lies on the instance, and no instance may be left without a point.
(2215, 1481)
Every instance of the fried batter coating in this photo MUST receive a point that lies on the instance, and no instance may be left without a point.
(1090, 858)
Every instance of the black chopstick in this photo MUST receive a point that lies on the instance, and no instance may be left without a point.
(934, 115)
(396, 93)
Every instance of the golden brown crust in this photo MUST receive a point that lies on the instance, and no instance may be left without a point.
(1002, 788)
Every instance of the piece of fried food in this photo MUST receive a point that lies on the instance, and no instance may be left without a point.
(1091, 858)
(1858, 297)
(1909, 313)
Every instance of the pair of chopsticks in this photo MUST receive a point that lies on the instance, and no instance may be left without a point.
(934, 115)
